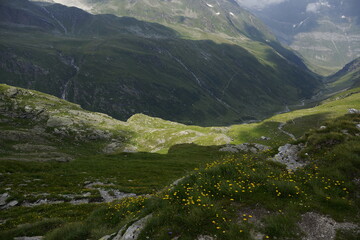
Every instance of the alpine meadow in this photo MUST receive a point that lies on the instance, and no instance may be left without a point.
(179, 120)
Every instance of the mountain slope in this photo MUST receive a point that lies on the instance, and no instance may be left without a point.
(348, 77)
(92, 195)
(222, 21)
(325, 33)
(123, 66)
(222, 16)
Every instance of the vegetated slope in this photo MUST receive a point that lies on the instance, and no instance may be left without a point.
(325, 33)
(222, 16)
(122, 66)
(346, 78)
(243, 196)
(222, 21)
(40, 127)
(246, 196)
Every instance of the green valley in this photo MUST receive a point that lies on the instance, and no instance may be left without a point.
(173, 120)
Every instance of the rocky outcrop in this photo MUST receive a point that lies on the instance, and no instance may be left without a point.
(133, 231)
(353, 111)
(29, 238)
(245, 147)
(289, 155)
(205, 237)
(319, 227)
(3, 199)
(10, 204)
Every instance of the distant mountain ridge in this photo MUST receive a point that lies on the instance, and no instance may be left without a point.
(347, 77)
(222, 21)
(325, 32)
(122, 66)
(221, 16)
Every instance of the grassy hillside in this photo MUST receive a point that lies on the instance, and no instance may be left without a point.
(235, 197)
(348, 77)
(36, 135)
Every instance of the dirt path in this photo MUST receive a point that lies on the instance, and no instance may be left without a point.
(285, 132)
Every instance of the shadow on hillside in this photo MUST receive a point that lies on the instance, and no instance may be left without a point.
(301, 125)
(275, 133)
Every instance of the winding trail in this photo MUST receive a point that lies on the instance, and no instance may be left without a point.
(285, 132)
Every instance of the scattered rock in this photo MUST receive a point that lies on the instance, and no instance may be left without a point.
(177, 181)
(289, 155)
(319, 227)
(133, 232)
(205, 237)
(112, 147)
(40, 202)
(87, 194)
(3, 198)
(231, 149)
(90, 185)
(245, 147)
(12, 92)
(130, 149)
(79, 201)
(117, 195)
(29, 238)
(353, 111)
(345, 131)
(358, 126)
(257, 235)
(10, 204)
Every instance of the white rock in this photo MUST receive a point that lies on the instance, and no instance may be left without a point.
(133, 232)
(3, 198)
(205, 237)
(10, 204)
(354, 111)
(288, 155)
(319, 227)
(265, 138)
(29, 238)
(229, 149)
